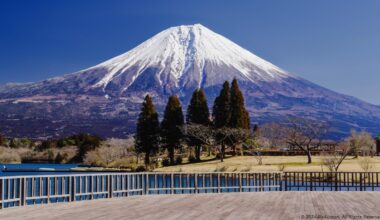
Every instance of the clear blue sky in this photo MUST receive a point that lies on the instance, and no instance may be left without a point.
(335, 43)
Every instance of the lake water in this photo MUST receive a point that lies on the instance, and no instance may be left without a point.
(35, 169)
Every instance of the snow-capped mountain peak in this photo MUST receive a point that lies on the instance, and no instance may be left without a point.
(178, 50)
(105, 99)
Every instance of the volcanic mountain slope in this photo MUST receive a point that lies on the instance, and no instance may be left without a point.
(105, 99)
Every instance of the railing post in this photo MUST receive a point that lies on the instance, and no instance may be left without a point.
(1, 193)
(48, 188)
(172, 184)
(196, 183)
(361, 181)
(127, 184)
(311, 181)
(110, 186)
(91, 188)
(146, 184)
(219, 183)
(72, 188)
(23, 191)
(240, 183)
(286, 181)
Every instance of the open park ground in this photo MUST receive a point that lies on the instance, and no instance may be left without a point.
(270, 163)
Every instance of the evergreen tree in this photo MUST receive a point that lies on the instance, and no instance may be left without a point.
(84, 142)
(59, 158)
(13, 144)
(197, 113)
(256, 131)
(222, 115)
(147, 131)
(221, 109)
(239, 115)
(170, 127)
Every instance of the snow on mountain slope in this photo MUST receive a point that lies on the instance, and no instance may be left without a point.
(175, 50)
(105, 99)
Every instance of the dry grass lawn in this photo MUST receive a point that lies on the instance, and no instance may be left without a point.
(270, 163)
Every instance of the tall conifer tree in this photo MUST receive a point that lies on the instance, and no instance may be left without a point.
(239, 115)
(198, 113)
(221, 109)
(170, 127)
(221, 114)
(147, 131)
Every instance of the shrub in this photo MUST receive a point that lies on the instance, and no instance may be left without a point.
(3, 140)
(366, 164)
(192, 159)
(152, 166)
(85, 143)
(125, 162)
(50, 155)
(281, 167)
(246, 169)
(92, 158)
(218, 156)
(68, 153)
(165, 162)
(108, 156)
(59, 158)
(178, 160)
(221, 169)
(7, 155)
(140, 168)
(45, 145)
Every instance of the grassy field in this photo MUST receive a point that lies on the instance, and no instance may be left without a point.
(270, 163)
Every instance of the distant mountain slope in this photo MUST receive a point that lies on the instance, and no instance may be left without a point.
(105, 99)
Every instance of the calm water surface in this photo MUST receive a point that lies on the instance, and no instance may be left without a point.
(35, 169)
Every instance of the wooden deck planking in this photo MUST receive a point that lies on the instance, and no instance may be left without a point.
(259, 205)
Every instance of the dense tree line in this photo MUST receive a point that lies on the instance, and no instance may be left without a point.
(229, 116)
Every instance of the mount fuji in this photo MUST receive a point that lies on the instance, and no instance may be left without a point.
(105, 99)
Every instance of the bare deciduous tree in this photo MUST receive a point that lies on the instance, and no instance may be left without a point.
(356, 142)
(215, 137)
(366, 164)
(255, 149)
(333, 160)
(305, 135)
(256, 144)
(362, 142)
(275, 134)
(105, 155)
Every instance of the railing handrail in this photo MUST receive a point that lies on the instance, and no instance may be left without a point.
(175, 173)
(130, 173)
(331, 172)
